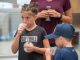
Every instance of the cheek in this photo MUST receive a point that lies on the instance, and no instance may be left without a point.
(58, 43)
(24, 20)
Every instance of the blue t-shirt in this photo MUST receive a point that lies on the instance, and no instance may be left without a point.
(67, 53)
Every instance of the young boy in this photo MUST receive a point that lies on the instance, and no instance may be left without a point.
(63, 35)
(29, 39)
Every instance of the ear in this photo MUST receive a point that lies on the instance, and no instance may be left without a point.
(61, 38)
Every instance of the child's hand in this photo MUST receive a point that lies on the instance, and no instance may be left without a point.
(48, 52)
(21, 27)
(29, 47)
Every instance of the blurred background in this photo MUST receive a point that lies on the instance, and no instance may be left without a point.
(10, 19)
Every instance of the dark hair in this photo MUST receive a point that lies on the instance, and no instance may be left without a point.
(75, 40)
(30, 7)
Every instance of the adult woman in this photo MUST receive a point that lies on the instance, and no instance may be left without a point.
(58, 10)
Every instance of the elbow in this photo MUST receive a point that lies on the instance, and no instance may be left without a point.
(14, 51)
(70, 21)
(67, 19)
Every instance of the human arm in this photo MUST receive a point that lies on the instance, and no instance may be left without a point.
(48, 54)
(32, 48)
(42, 50)
(66, 17)
(15, 43)
(42, 14)
(44, 41)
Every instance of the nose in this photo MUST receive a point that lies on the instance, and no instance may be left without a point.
(24, 19)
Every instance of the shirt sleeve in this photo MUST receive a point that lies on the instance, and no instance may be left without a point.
(44, 34)
(67, 5)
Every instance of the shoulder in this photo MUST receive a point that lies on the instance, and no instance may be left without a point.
(62, 50)
(66, 51)
(40, 28)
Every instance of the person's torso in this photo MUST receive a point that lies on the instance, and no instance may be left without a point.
(49, 26)
(56, 5)
(67, 53)
(36, 38)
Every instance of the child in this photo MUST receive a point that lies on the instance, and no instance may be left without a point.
(29, 39)
(63, 35)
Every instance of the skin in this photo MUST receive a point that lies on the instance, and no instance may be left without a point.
(28, 18)
(67, 17)
(61, 42)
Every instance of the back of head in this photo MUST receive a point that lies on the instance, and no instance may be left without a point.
(64, 30)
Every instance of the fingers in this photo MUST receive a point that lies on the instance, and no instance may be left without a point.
(50, 12)
(43, 14)
(21, 27)
(29, 47)
(53, 13)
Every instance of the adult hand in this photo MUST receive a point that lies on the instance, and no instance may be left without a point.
(54, 13)
(42, 14)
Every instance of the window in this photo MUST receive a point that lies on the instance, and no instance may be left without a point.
(21, 2)
(4, 5)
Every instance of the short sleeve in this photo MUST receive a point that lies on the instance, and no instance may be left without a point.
(44, 34)
(67, 5)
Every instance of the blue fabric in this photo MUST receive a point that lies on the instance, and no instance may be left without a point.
(67, 53)
(65, 30)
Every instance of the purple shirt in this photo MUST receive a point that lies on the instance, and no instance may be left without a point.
(59, 5)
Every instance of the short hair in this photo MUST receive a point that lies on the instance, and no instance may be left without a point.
(30, 7)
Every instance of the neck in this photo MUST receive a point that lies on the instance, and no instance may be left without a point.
(68, 44)
(30, 27)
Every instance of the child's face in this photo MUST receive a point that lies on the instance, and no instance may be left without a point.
(59, 42)
(28, 17)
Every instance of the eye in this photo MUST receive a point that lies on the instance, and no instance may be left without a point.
(27, 17)
(22, 17)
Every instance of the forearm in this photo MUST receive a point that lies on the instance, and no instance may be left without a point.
(15, 44)
(67, 19)
(48, 57)
(40, 50)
